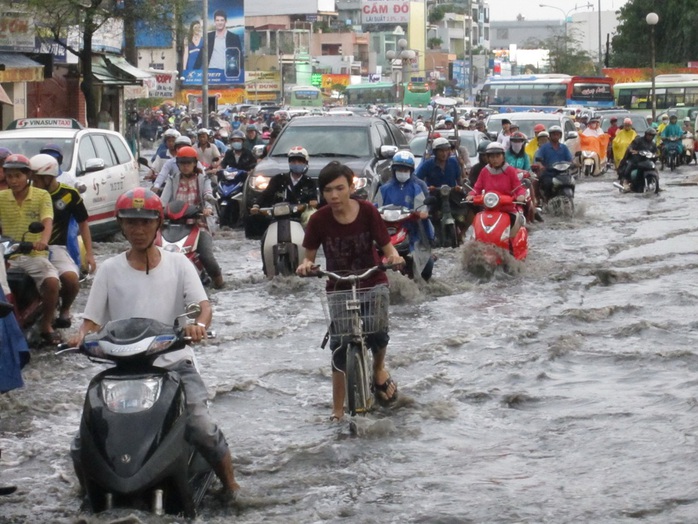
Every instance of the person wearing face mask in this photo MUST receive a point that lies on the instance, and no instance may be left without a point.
(500, 177)
(406, 190)
(238, 156)
(295, 187)
(192, 185)
(516, 154)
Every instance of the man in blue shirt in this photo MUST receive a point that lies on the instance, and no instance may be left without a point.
(550, 154)
(442, 168)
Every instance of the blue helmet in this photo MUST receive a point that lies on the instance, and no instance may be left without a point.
(403, 158)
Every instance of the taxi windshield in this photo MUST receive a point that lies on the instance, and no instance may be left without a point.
(30, 146)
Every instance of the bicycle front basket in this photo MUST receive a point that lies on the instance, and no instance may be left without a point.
(340, 309)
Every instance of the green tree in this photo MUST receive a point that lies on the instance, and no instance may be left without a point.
(675, 36)
(565, 54)
(56, 20)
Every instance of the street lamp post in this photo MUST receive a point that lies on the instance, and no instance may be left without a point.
(566, 14)
(470, 52)
(652, 19)
(405, 56)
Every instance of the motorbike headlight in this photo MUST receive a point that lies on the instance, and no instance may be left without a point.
(392, 215)
(491, 200)
(259, 182)
(587, 154)
(445, 190)
(173, 248)
(282, 210)
(360, 182)
(131, 396)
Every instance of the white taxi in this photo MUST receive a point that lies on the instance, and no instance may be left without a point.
(98, 159)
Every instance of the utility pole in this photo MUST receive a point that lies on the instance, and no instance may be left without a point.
(204, 67)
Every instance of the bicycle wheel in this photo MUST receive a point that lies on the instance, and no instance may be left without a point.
(355, 376)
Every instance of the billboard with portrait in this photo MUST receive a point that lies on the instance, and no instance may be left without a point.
(226, 37)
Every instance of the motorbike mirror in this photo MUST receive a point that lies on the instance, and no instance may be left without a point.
(258, 150)
(142, 161)
(36, 227)
(193, 310)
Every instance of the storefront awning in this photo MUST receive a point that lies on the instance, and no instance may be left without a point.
(16, 67)
(115, 71)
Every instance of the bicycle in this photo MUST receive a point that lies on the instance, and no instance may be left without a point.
(353, 314)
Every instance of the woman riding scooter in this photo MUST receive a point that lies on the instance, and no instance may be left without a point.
(500, 177)
(194, 187)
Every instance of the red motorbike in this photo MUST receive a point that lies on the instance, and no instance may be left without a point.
(416, 252)
(493, 226)
(180, 233)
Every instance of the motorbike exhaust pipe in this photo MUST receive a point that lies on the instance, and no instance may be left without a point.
(158, 508)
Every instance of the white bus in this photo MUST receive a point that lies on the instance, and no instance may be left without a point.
(671, 90)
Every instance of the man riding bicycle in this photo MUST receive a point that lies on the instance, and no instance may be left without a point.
(348, 230)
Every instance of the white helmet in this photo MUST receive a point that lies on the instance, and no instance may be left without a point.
(183, 140)
(555, 129)
(299, 152)
(494, 148)
(43, 164)
(441, 143)
(170, 132)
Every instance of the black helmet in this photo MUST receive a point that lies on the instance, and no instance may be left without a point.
(482, 147)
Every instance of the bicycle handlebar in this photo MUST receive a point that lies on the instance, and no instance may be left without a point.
(318, 272)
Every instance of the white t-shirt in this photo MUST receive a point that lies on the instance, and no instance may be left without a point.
(120, 291)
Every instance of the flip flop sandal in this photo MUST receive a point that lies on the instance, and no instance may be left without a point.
(383, 388)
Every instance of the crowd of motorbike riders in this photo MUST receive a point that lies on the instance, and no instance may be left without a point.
(191, 160)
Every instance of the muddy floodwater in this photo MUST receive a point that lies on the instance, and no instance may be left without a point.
(563, 393)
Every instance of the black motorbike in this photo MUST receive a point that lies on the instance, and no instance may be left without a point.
(131, 449)
(447, 209)
(644, 177)
(559, 195)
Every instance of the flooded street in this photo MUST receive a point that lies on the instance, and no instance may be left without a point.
(563, 393)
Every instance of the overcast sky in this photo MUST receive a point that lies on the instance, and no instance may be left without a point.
(530, 10)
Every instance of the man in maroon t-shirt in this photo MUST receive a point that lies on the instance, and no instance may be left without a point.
(348, 230)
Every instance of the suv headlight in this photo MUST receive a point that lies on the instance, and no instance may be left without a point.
(259, 182)
(360, 182)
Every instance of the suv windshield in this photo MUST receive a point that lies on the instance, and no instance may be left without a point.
(31, 146)
(325, 141)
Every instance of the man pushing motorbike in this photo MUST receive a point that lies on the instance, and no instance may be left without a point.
(146, 281)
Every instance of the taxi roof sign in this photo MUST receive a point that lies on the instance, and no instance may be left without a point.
(31, 123)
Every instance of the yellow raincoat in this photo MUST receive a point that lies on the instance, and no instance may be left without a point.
(531, 148)
(621, 142)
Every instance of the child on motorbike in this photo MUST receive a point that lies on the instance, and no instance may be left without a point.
(406, 190)
(500, 177)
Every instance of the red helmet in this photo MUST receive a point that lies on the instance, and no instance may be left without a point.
(139, 203)
(538, 128)
(186, 152)
(517, 137)
(17, 161)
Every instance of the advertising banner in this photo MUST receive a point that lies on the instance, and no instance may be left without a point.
(16, 32)
(165, 82)
(225, 38)
(385, 11)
